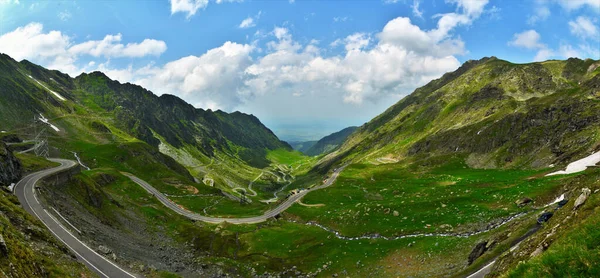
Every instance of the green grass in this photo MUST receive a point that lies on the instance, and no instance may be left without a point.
(364, 198)
(287, 157)
(32, 163)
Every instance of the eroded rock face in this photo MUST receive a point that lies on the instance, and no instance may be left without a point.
(479, 249)
(10, 168)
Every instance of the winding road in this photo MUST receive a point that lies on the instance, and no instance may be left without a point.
(25, 191)
(248, 220)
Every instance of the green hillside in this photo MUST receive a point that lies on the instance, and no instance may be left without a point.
(502, 115)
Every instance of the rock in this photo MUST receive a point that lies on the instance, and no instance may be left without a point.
(523, 202)
(447, 227)
(585, 193)
(396, 213)
(10, 167)
(104, 250)
(545, 217)
(479, 249)
(537, 252)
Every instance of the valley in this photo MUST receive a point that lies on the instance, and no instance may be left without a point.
(452, 177)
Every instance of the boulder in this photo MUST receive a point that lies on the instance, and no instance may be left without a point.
(523, 202)
(585, 193)
(104, 250)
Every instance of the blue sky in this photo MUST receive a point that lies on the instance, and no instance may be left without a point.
(305, 68)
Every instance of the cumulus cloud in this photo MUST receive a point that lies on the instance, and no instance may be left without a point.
(110, 47)
(393, 61)
(187, 6)
(529, 39)
(584, 28)
(56, 50)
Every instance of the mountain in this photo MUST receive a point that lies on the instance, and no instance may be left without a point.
(330, 142)
(302, 146)
(500, 114)
(27, 90)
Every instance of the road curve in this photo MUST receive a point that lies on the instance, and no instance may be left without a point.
(25, 191)
(248, 220)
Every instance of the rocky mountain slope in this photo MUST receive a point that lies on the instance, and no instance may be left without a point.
(10, 168)
(26, 90)
(502, 115)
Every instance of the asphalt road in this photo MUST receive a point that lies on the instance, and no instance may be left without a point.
(249, 220)
(25, 191)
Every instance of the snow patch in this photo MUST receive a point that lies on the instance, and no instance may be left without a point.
(579, 165)
(558, 199)
(53, 92)
(44, 120)
(3, 131)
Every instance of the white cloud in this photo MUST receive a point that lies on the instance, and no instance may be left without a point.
(64, 15)
(29, 42)
(392, 62)
(543, 55)
(216, 75)
(55, 50)
(247, 23)
(584, 28)
(250, 21)
(192, 6)
(110, 47)
(187, 6)
(471, 8)
(529, 39)
(577, 4)
(292, 1)
(355, 41)
(415, 9)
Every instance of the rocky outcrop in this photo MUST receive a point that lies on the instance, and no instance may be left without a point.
(585, 193)
(479, 249)
(10, 168)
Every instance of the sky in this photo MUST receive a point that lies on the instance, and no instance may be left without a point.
(304, 68)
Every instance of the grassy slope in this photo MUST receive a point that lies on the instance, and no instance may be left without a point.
(32, 250)
(492, 109)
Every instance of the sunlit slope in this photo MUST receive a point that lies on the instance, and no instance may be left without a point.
(499, 113)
